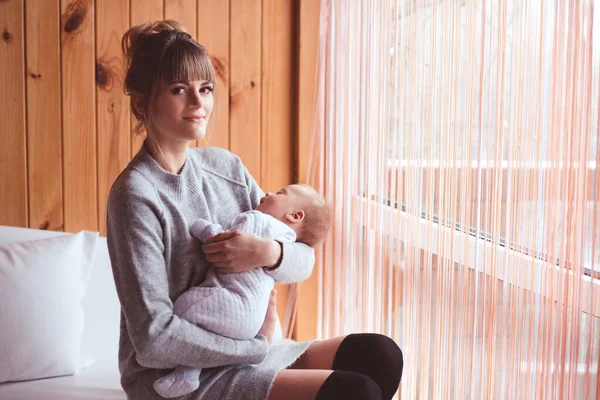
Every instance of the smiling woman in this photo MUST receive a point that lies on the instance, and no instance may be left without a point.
(171, 91)
(151, 209)
(182, 107)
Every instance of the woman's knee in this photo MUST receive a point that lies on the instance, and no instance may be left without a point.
(345, 385)
(374, 355)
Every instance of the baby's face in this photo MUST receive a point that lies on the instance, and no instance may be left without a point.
(286, 200)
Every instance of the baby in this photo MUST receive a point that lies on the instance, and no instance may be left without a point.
(235, 305)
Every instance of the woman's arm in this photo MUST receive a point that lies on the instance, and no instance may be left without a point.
(297, 262)
(160, 338)
(297, 259)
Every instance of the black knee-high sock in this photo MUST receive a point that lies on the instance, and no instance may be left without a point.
(346, 385)
(376, 356)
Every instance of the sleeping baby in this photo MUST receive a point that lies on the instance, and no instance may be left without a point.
(235, 305)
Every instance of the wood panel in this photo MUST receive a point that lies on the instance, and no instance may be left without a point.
(74, 151)
(245, 84)
(184, 12)
(65, 124)
(308, 48)
(143, 11)
(278, 101)
(113, 113)
(213, 34)
(13, 165)
(44, 137)
(79, 116)
(277, 93)
(308, 291)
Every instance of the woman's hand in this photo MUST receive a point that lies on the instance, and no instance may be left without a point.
(268, 327)
(236, 251)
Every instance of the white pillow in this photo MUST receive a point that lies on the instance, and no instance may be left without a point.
(42, 283)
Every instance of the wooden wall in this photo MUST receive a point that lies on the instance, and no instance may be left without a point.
(65, 123)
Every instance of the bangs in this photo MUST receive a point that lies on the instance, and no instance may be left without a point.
(185, 61)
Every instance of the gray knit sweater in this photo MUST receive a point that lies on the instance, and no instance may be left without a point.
(149, 212)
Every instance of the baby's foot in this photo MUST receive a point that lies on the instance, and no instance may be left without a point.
(182, 381)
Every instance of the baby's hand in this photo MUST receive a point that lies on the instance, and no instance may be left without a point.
(201, 229)
(268, 327)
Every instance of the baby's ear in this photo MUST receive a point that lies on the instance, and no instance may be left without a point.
(296, 216)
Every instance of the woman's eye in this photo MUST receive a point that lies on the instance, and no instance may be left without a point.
(206, 89)
(178, 90)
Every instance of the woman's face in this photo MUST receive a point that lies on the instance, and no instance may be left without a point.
(183, 109)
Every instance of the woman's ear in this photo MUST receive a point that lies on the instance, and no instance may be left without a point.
(295, 216)
(138, 103)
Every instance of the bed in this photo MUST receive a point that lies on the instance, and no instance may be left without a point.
(99, 377)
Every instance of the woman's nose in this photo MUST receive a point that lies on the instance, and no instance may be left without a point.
(268, 194)
(195, 99)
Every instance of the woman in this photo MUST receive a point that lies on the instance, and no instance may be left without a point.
(166, 186)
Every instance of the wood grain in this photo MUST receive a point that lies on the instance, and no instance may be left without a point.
(308, 39)
(13, 164)
(245, 85)
(277, 94)
(213, 34)
(79, 116)
(184, 12)
(113, 113)
(44, 134)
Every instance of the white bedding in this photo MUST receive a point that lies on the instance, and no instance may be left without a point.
(100, 380)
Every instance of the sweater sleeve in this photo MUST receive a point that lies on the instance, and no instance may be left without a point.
(298, 259)
(160, 338)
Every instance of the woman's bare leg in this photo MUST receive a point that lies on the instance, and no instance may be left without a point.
(303, 380)
(319, 355)
(294, 384)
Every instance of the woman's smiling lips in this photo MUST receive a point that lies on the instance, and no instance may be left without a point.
(194, 118)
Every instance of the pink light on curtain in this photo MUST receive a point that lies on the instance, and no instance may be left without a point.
(458, 143)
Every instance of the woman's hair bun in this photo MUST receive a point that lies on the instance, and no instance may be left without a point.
(138, 33)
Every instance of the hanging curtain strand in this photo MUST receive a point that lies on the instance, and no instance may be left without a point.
(458, 144)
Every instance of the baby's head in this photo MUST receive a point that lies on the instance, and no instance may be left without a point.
(302, 208)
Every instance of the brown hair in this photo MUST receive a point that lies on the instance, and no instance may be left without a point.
(160, 52)
(317, 219)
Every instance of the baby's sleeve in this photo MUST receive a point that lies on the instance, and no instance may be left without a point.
(202, 229)
(247, 222)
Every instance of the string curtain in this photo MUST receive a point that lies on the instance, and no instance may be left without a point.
(457, 142)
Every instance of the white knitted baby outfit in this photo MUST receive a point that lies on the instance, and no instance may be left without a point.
(232, 305)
